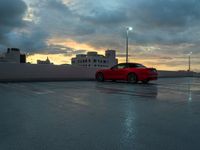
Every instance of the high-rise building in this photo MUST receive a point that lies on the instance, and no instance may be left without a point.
(94, 60)
(13, 55)
(22, 58)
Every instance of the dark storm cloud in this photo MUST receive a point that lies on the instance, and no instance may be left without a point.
(11, 14)
(28, 36)
(33, 40)
(161, 22)
(106, 17)
(102, 24)
(167, 13)
(57, 5)
(170, 22)
(59, 49)
(59, 20)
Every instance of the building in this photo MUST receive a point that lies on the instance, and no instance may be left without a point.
(94, 60)
(13, 55)
(22, 58)
(44, 62)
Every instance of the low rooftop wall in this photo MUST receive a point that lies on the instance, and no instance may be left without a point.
(30, 72)
(166, 74)
(196, 75)
(12, 72)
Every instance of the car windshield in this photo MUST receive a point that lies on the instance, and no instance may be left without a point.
(136, 66)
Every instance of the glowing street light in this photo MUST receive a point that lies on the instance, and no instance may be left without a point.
(127, 31)
(189, 61)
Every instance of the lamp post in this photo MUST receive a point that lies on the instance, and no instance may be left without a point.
(189, 61)
(127, 31)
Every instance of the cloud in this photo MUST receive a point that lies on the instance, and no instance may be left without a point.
(167, 14)
(160, 28)
(33, 39)
(11, 17)
(12, 12)
(154, 22)
(165, 22)
(105, 17)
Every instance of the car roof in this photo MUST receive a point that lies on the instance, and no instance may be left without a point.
(129, 64)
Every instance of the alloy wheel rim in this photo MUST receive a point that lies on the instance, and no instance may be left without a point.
(132, 78)
(100, 77)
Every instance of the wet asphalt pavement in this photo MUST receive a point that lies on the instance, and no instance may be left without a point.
(163, 115)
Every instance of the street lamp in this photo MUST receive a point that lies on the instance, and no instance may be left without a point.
(189, 61)
(127, 31)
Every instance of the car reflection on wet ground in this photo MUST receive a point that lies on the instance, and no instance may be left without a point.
(162, 115)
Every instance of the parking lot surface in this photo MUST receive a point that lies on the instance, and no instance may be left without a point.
(162, 115)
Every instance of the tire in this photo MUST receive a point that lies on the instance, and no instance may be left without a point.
(99, 77)
(132, 78)
(145, 81)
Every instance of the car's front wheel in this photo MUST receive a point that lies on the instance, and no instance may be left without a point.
(132, 78)
(100, 77)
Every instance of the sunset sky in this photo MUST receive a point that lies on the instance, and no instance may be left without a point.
(164, 31)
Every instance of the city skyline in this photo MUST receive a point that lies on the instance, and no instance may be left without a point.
(164, 32)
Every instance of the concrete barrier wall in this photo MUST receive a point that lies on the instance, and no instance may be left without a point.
(30, 72)
(166, 74)
(196, 74)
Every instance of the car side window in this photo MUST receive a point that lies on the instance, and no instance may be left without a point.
(132, 66)
(119, 66)
(136, 66)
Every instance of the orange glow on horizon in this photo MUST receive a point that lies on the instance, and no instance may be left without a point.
(73, 44)
(59, 59)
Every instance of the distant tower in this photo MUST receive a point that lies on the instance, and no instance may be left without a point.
(47, 61)
(111, 55)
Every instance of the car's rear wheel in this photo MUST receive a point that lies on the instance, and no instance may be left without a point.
(100, 77)
(132, 78)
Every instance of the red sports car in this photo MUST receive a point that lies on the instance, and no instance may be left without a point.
(131, 72)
